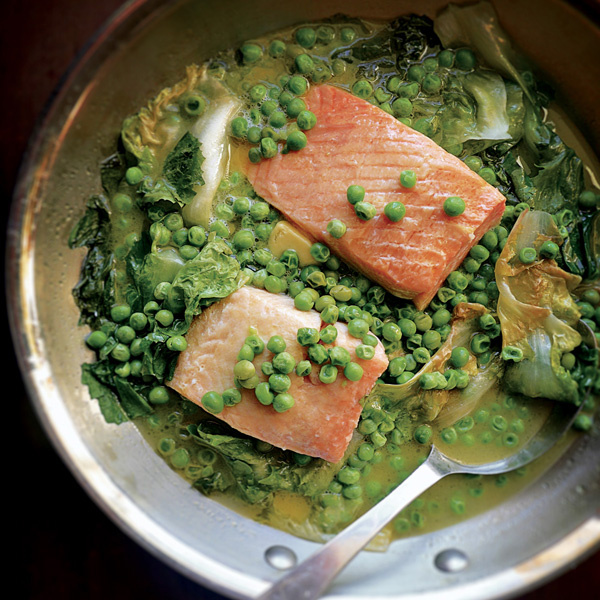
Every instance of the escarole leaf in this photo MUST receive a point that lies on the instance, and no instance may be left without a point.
(183, 167)
(141, 135)
(257, 474)
(428, 403)
(477, 27)
(212, 275)
(489, 92)
(537, 313)
(475, 110)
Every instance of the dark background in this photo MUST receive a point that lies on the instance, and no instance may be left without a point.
(66, 548)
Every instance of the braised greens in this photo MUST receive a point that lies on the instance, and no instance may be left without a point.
(177, 229)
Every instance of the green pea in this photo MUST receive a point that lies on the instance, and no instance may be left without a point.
(304, 64)
(454, 206)
(320, 252)
(457, 281)
(328, 334)
(408, 179)
(274, 284)
(353, 371)
(304, 301)
(166, 446)
(277, 48)
(264, 394)
(391, 331)
(177, 343)
(303, 368)
(336, 228)
(449, 435)
(394, 211)
(431, 83)
(499, 423)
(347, 35)
(355, 193)
(307, 336)
(330, 314)
(134, 175)
(296, 141)
(241, 205)
(512, 353)
(279, 382)
(423, 434)
(549, 250)
(239, 127)
(465, 59)
(479, 252)
(591, 296)
(251, 53)
(415, 73)
(527, 255)
(421, 355)
(197, 236)
(96, 339)
(423, 321)
(285, 97)
(480, 343)
(407, 327)
(587, 199)
(220, 228)
(487, 174)
(283, 402)
(305, 37)
(365, 352)
(120, 312)
(277, 119)
(255, 342)
(342, 293)
(367, 426)
(358, 328)
(352, 492)
(402, 107)
(365, 210)
(365, 451)
(306, 120)
(328, 373)
(158, 395)
(122, 203)
(244, 369)
(164, 317)
(446, 58)
(339, 356)
(362, 89)
(284, 362)
(432, 339)
(397, 366)
(231, 397)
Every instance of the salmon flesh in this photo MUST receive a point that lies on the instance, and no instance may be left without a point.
(356, 143)
(323, 417)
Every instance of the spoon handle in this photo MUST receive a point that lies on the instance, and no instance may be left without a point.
(312, 577)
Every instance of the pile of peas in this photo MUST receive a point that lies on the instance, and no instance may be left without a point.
(276, 116)
(498, 423)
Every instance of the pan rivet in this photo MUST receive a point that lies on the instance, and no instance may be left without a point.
(280, 557)
(451, 560)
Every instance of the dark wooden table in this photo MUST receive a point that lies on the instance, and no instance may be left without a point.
(66, 548)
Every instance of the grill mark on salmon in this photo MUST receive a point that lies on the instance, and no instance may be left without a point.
(355, 142)
(323, 417)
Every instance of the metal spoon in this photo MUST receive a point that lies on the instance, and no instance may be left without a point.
(311, 578)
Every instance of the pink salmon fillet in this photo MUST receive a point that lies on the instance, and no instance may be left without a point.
(323, 417)
(355, 142)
